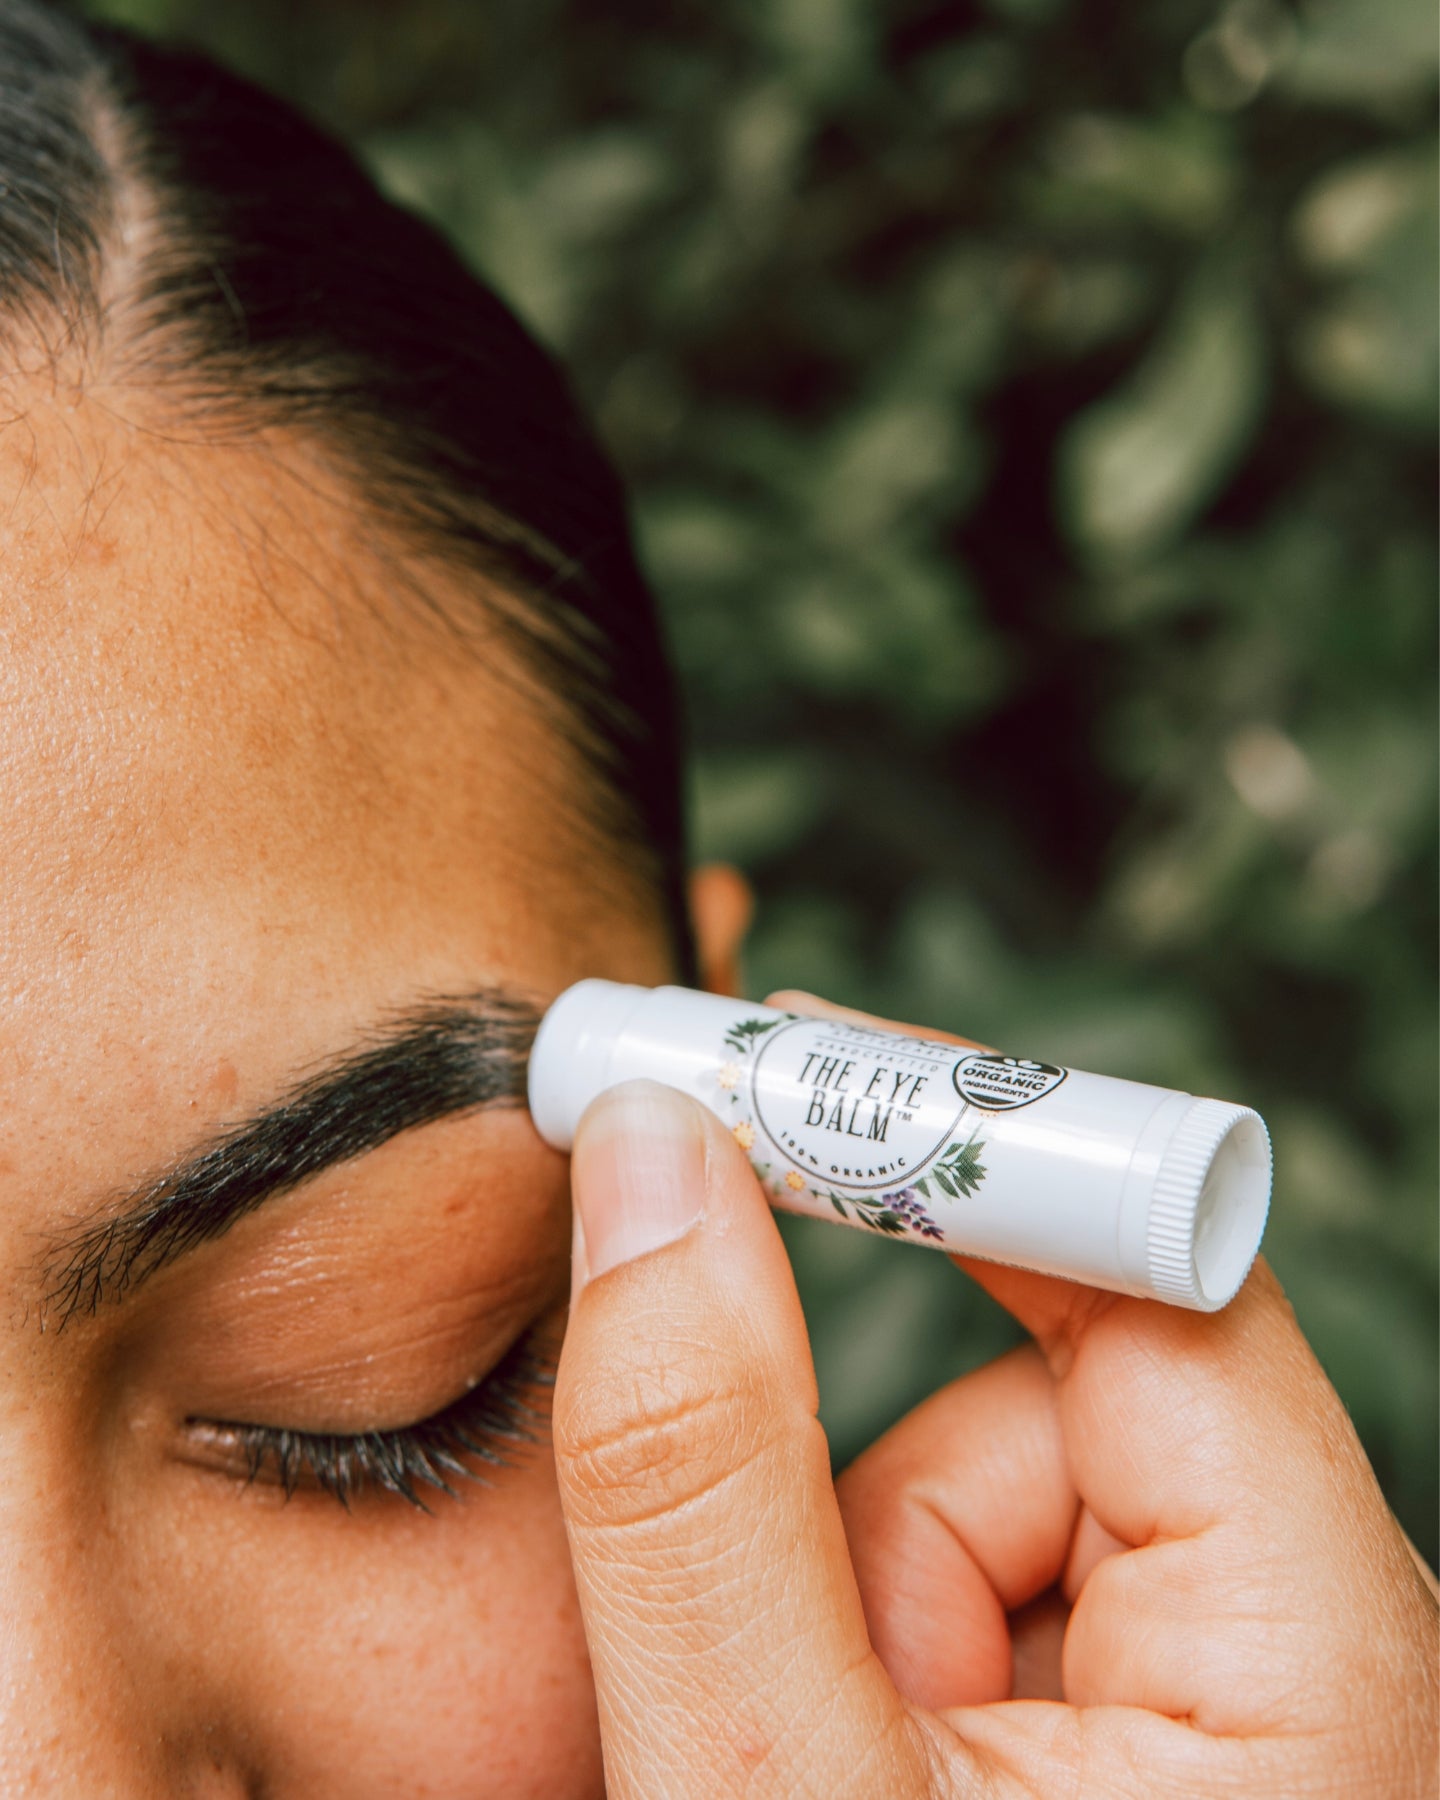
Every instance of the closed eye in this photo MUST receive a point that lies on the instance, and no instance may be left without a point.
(485, 1430)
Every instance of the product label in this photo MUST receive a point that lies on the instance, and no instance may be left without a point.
(848, 1105)
(1001, 1083)
(886, 1131)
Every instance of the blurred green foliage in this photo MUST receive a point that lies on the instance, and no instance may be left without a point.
(1030, 411)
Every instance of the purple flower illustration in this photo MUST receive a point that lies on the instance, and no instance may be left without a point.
(908, 1206)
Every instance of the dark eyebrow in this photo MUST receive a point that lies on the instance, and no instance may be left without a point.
(442, 1057)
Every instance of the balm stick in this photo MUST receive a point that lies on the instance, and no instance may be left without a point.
(1115, 1183)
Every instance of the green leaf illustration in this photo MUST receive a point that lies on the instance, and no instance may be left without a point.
(741, 1036)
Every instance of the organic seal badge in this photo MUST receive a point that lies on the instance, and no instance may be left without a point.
(1001, 1083)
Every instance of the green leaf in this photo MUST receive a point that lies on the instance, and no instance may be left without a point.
(598, 183)
(1372, 340)
(1363, 53)
(1136, 467)
(825, 46)
(747, 805)
(1176, 172)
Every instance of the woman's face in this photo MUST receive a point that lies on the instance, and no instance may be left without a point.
(251, 813)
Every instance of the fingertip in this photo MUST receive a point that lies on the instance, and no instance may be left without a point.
(1055, 1312)
(797, 1000)
(638, 1174)
(811, 1006)
(635, 1105)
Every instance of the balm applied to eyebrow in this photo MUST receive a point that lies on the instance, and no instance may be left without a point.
(445, 1056)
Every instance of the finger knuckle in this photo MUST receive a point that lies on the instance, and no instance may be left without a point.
(659, 1432)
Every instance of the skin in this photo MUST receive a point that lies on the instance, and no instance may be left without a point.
(252, 805)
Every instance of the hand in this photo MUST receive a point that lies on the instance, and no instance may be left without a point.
(1181, 1496)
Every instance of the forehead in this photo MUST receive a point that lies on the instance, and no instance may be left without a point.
(248, 801)
(194, 638)
(211, 676)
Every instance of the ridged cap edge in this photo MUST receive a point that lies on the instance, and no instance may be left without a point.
(1179, 1181)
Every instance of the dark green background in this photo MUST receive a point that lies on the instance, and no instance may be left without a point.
(1030, 412)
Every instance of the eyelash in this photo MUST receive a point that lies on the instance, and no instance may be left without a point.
(489, 1426)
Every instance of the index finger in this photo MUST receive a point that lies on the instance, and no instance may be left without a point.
(811, 1006)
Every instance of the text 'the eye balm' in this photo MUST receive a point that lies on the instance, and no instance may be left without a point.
(1115, 1183)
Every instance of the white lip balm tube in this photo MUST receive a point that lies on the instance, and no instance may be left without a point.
(1115, 1183)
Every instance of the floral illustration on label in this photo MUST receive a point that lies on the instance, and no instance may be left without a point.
(853, 1110)
(959, 1171)
(742, 1035)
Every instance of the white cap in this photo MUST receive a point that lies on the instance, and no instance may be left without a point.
(1208, 1205)
(570, 1061)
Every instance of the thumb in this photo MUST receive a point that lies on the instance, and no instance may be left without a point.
(725, 1630)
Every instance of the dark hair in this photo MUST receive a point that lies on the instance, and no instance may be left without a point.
(238, 259)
